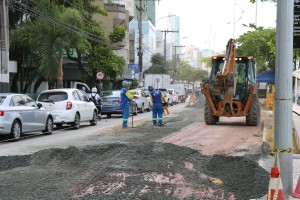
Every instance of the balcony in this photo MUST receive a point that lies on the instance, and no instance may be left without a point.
(114, 7)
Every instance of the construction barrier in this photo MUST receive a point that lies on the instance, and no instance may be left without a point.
(296, 193)
(275, 186)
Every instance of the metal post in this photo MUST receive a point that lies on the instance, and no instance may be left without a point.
(283, 94)
(233, 35)
(256, 14)
(4, 49)
(140, 50)
(165, 47)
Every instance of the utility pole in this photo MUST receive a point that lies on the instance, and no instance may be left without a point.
(165, 45)
(140, 49)
(4, 57)
(175, 66)
(283, 94)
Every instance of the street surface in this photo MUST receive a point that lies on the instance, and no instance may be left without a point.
(185, 159)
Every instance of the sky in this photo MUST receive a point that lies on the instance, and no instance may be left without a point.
(209, 24)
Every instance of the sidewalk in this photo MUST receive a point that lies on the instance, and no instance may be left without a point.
(296, 160)
(267, 164)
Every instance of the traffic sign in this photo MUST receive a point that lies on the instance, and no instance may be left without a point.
(296, 32)
(157, 80)
(100, 75)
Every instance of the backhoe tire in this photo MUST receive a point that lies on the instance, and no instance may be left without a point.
(253, 117)
(209, 117)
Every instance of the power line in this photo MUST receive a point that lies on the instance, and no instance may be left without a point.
(56, 22)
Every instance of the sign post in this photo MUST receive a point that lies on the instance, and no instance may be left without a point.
(100, 76)
(157, 81)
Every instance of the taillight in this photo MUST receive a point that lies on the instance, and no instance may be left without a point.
(1, 113)
(117, 100)
(69, 105)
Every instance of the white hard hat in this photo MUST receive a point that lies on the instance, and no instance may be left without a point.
(124, 83)
(94, 90)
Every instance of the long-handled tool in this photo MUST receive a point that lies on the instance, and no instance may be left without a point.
(131, 115)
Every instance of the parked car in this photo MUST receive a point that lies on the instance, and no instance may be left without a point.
(174, 96)
(147, 92)
(111, 103)
(69, 106)
(20, 114)
(142, 102)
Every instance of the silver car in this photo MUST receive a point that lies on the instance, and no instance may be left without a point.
(20, 114)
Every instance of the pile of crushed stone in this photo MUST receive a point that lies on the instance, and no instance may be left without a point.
(130, 171)
(241, 175)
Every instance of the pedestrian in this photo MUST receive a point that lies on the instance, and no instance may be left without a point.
(126, 97)
(158, 100)
(97, 100)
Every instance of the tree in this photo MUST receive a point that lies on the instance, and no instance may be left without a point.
(158, 65)
(46, 42)
(260, 43)
(207, 61)
(189, 74)
(67, 26)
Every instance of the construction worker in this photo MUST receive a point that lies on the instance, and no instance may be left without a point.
(158, 99)
(126, 96)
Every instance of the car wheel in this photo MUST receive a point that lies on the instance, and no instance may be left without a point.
(149, 108)
(99, 116)
(59, 125)
(16, 130)
(49, 126)
(108, 115)
(142, 108)
(135, 111)
(76, 123)
(94, 121)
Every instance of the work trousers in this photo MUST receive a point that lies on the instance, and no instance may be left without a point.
(157, 113)
(125, 114)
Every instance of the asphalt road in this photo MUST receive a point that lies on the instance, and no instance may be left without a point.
(63, 138)
(145, 162)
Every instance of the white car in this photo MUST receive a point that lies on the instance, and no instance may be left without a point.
(173, 95)
(20, 114)
(69, 106)
(167, 97)
(142, 102)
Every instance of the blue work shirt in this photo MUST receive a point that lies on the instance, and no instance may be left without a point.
(156, 96)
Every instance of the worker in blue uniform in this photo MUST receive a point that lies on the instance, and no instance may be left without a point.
(157, 98)
(126, 96)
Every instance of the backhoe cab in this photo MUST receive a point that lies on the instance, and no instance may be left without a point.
(231, 90)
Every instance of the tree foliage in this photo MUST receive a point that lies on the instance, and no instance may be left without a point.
(45, 31)
(260, 43)
(158, 65)
(190, 74)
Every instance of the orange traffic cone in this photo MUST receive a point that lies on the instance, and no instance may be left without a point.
(275, 186)
(296, 193)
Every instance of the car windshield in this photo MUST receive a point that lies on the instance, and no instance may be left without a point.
(2, 98)
(111, 94)
(53, 96)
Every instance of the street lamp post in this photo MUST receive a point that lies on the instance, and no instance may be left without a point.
(234, 18)
(140, 49)
(156, 22)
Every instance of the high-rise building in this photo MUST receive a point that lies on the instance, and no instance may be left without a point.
(149, 10)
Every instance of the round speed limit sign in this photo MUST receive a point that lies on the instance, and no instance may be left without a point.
(100, 75)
